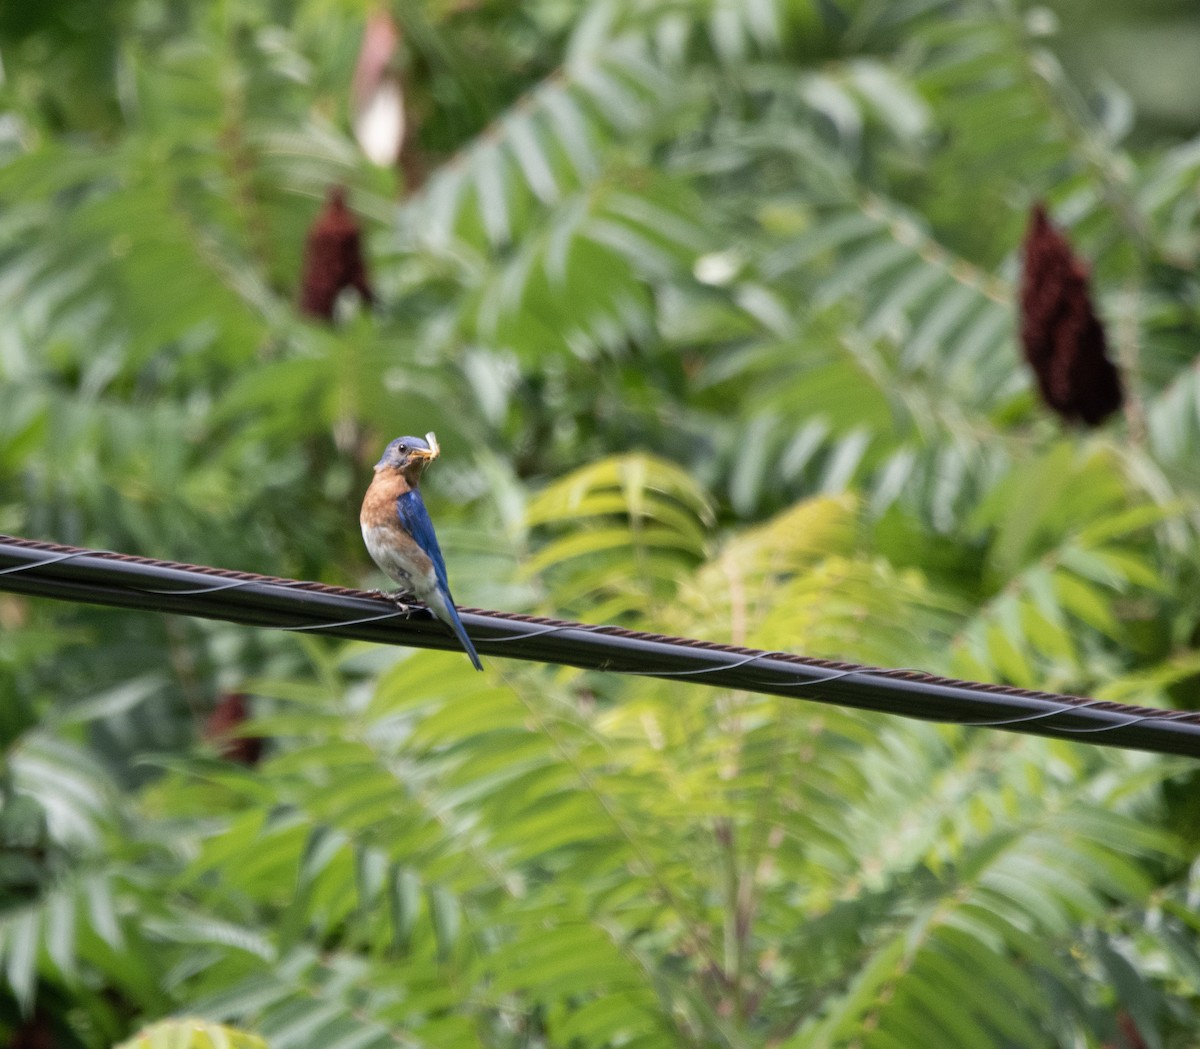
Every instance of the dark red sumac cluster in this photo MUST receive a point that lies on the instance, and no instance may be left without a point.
(333, 258)
(1060, 332)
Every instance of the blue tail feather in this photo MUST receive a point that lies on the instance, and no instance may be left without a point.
(460, 631)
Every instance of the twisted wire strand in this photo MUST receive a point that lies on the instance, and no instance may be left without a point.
(70, 573)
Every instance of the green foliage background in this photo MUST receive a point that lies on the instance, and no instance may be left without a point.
(711, 306)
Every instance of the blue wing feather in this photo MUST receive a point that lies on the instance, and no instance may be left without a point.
(414, 518)
(410, 508)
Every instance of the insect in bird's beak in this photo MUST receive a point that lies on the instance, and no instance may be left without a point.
(434, 449)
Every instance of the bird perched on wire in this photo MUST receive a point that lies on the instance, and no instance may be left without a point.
(399, 534)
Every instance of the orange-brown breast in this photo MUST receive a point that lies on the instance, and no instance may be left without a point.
(379, 504)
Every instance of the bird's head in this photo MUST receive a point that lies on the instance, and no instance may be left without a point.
(409, 455)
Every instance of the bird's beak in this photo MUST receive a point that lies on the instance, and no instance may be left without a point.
(424, 456)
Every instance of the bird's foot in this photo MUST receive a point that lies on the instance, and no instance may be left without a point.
(396, 597)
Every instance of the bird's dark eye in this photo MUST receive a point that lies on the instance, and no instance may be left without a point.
(402, 447)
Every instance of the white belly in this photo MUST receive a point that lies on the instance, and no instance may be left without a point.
(413, 571)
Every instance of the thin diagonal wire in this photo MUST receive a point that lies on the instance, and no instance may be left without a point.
(698, 670)
(13, 569)
(814, 683)
(227, 584)
(1175, 715)
(395, 613)
(106, 577)
(1039, 715)
(1024, 718)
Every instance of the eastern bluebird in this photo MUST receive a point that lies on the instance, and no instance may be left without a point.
(399, 534)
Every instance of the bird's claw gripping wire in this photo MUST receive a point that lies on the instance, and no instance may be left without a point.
(396, 597)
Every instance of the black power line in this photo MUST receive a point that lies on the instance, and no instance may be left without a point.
(105, 578)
